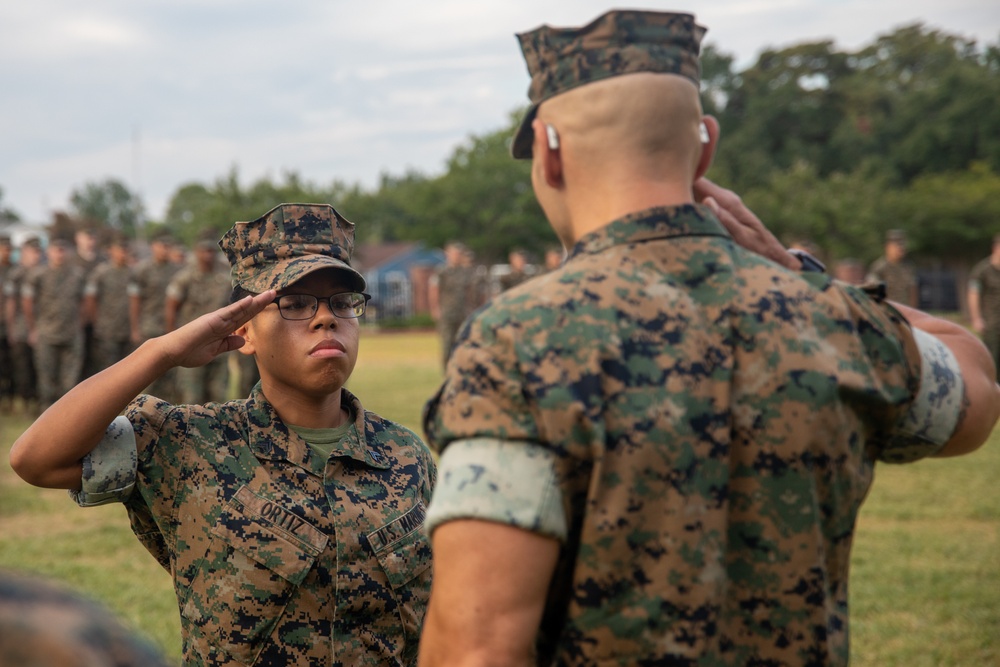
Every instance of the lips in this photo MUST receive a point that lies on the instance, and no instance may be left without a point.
(327, 348)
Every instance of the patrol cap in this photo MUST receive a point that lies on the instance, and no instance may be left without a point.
(618, 42)
(288, 242)
(32, 242)
(895, 236)
(5, 240)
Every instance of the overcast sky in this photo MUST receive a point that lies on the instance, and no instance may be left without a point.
(159, 93)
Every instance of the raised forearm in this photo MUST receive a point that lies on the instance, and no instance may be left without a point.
(49, 452)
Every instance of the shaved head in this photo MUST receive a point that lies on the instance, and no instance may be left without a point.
(637, 124)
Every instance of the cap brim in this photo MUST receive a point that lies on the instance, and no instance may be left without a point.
(520, 148)
(283, 273)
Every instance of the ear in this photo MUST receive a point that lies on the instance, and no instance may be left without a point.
(248, 347)
(707, 147)
(547, 154)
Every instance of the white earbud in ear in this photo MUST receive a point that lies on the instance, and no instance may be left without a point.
(553, 137)
(703, 133)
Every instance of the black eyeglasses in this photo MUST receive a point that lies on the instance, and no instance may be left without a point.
(347, 305)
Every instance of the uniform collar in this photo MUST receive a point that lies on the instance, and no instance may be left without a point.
(660, 222)
(270, 438)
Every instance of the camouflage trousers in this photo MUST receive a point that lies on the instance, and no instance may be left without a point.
(448, 330)
(991, 338)
(206, 384)
(23, 367)
(7, 387)
(91, 356)
(58, 366)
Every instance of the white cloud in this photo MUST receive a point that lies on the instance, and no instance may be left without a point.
(327, 88)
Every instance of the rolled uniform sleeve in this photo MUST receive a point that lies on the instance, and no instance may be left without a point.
(933, 415)
(109, 470)
(512, 483)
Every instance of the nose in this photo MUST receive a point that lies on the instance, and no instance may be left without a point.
(324, 316)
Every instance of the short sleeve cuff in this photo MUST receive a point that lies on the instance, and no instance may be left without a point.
(512, 483)
(132, 290)
(933, 416)
(109, 470)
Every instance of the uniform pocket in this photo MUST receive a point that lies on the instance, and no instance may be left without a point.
(404, 553)
(259, 554)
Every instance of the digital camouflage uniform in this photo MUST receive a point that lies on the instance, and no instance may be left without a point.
(91, 347)
(149, 285)
(22, 354)
(900, 280)
(985, 279)
(457, 295)
(43, 625)
(200, 292)
(109, 285)
(696, 425)
(279, 557)
(7, 388)
(57, 295)
(713, 421)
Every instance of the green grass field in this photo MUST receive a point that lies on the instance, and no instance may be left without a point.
(925, 586)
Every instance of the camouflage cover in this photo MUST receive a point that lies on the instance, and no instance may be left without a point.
(278, 557)
(618, 42)
(714, 421)
(286, 243)
(45, 625)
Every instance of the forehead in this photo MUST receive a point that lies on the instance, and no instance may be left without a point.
(321, 283)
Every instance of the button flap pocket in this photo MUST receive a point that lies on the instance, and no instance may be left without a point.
(270, 535)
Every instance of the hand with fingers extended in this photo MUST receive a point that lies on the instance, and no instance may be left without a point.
(745, 227)
(201, 340)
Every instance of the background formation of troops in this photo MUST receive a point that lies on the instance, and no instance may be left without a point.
(77, 305)
(95, 304)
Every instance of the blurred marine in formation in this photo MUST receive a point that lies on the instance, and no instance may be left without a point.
(147, 291)
(7, 389)
(456, 290)
(22, 351)
(200, 287)
(895, 271)
(52, 297)
(984, 300)
(518, 262)
(87, 257)
(106, 304)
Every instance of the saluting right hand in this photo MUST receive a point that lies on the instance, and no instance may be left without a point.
(201, 340)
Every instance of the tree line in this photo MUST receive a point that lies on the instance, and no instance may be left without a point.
(828, 146)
